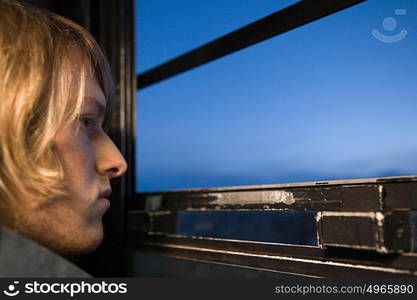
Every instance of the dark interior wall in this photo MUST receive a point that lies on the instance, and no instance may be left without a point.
(76, 10)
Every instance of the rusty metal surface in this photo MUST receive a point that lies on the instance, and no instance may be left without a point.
(372, 214)
(308, 261)
(377, 194)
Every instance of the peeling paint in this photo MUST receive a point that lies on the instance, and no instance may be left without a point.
(381, 196)
(319, 215)
(379, 234)
(379, 217)
(362, 247)
(255, 197)
(282, 197)
(347, 214)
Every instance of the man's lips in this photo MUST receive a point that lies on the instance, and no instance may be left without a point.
(105, 194)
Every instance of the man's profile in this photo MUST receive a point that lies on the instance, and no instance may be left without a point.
(56, 158)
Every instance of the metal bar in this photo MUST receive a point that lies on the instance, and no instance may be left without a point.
(310, 261)
(389, 232)
(376, 231)
(357, 198)
(379, 194)
(277, 23)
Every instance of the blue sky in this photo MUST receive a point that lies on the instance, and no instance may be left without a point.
(325, 101)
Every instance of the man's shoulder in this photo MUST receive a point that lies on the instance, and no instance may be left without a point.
(22, 257)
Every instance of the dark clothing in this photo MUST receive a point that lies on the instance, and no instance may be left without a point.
(22, 257)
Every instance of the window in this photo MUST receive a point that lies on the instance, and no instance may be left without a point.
(315, 103)
(325, 101)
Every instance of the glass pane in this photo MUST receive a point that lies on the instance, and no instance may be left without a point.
(329, 100)
(166, 28)
(287, 227)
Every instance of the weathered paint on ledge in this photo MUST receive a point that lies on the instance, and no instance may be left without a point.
(384, 233)
(379, 194)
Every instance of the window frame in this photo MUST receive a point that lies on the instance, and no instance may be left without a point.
(151, 216)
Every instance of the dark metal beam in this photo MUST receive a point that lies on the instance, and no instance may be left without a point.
(389, 232)
(376, 214)
(384, 233)
(368, 195)
(294, 16)
(308, 261)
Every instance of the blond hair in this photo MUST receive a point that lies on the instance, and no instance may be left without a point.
(36, 53)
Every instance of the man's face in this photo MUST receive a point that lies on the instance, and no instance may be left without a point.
(90, 160)
(73, 224)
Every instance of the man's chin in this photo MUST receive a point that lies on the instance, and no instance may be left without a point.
(82, 245)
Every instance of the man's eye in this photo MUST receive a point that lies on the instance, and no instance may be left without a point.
(88, 123)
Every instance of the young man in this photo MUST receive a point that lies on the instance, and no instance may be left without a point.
(56, 158)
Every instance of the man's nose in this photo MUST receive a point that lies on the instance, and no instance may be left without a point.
(109, 161)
